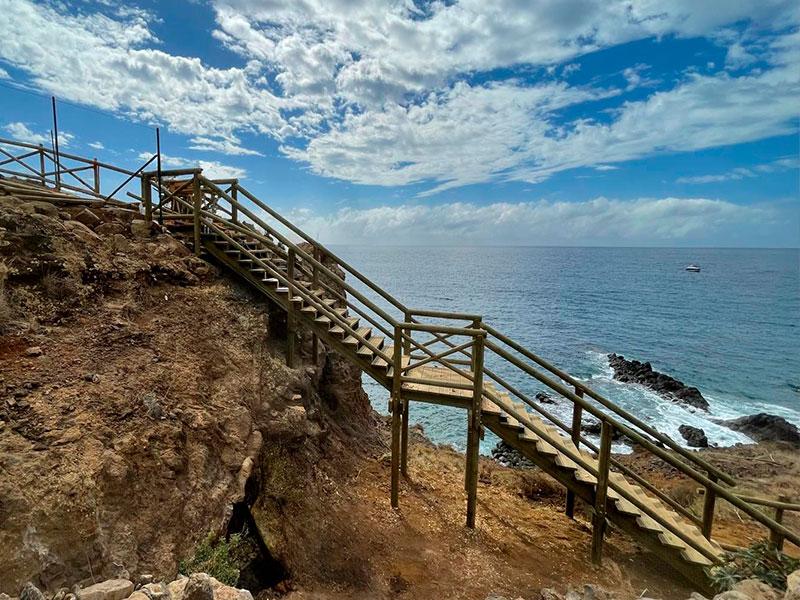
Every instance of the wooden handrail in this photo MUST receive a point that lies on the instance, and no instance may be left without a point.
(705, 465)
(344, 265)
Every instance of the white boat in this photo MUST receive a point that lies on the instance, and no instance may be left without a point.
(693, 268)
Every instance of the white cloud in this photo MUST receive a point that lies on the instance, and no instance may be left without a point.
(97, 145)
(228, 146)
(4, 74)
(602, 221)
(98, 60)
(211, 168)
(788, 163)
(373, 91)
(20, 132)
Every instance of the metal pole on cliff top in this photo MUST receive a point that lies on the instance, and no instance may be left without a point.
(55, 144)
(158, 177)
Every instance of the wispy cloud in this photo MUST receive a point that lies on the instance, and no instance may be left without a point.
(787, 163)
(602, 221)
(211, 168)
(20, 131)
(228, 146)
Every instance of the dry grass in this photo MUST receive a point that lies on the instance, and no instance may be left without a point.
(59, 288)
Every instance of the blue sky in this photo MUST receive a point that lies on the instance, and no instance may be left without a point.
(562, 122)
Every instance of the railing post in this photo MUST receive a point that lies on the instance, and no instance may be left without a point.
(599, 516)
(577, 420)
(96, 173)
(775, 538)
(198, 203)
(290, 316)
(42, 169)
(396, 409)
(314, 285)
(147, 198)
(708, 508)
(407, 343)
(474, 433)
(235, 196)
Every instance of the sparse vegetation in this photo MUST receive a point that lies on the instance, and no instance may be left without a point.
(6, 312)
(223, 559)
(761, 561)
(58, 288)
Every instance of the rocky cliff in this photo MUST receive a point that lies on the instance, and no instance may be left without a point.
(144, 398)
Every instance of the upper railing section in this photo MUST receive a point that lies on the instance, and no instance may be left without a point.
(225, 207)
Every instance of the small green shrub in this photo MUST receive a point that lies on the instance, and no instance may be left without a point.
(761, 561)
(222, 559)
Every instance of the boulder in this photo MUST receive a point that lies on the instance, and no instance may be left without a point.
(793, 586)
(731, 595)
(113, 213)
(198, 587)
(694, 436)
(140, 228)
(88, 218)
(81, 231)
(33, 351)
(110, 228)
(226, 592)
(40, 208)
(30, 592)
(544, 398)
(111, 589)
(757, 590)
(765, 427)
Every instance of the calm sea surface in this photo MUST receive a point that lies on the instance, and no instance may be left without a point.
(732, 330)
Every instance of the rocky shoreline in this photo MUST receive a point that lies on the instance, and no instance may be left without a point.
(634, 371)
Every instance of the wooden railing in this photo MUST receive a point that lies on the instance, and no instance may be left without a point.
(224, 207)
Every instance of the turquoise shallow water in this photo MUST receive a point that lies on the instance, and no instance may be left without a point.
(732, 330)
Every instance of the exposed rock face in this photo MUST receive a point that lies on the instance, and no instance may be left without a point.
(765, 427)
(544, 398)
(151, 389)
(633, 371)
(694, 436)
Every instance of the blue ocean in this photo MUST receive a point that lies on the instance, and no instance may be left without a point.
(732, 330)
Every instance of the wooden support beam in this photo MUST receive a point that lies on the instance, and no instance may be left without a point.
(775, 538)
(234, 205)
(198, 203)
(96, 173)
(147, 198)
(474, 437)
(404, 439)
(601, 493)
(314, 286)
(291, 319)
(396, 410)
(708, 509)
(577, 419)
(42, 169)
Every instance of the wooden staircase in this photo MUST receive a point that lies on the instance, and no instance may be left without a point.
(543, 444)
(471, 366)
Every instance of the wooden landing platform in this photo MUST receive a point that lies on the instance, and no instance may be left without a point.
(442, 393)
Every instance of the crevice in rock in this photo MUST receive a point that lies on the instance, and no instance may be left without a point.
(260, 571)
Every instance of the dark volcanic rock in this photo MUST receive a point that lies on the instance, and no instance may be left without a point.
(510, 457)
(765, 427)
(544, 398)
(594, 428)
(633, 371)
(694, 436)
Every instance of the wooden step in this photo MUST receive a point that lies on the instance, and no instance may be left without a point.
(351, 340)
(368, 352)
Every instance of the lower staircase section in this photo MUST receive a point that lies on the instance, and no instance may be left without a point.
(546, 449)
